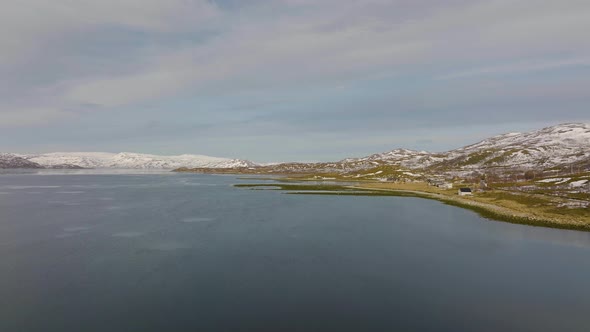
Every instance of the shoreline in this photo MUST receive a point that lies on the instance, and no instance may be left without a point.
(488, 210)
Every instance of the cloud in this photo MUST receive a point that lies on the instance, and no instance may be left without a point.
(30, 24)
(521, 67)
(29, 117)
(54, 46)
(344, 44)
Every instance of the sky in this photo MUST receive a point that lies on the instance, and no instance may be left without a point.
(286, 80)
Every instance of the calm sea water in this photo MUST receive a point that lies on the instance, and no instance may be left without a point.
(86, 251)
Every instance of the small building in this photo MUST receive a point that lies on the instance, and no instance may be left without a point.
(465, 191)
(446, 185)
(434, 181)
(440, 183)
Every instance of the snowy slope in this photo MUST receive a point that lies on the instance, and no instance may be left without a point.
(9, 160)
(564, 144)
(547, 147)
(403, 157)
(133, 160)
(557, 145)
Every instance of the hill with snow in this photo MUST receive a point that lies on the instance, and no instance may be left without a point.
(557, 146)
(562, 144)
(124, 160)
(9, 160)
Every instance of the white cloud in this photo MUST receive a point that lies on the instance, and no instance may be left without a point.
(295, 42)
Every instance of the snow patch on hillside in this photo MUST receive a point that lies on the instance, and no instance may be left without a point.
(578, 183)
(552, 180)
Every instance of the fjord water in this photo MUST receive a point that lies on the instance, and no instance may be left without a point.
(185, 252)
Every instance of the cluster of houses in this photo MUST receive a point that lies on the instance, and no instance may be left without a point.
(443, 184)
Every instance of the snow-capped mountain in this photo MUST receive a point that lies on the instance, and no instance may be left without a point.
(9, 160)
(561, 147)
(562, 144)
(132, 160)
(403, 157)
(552, 146)
(393, 155)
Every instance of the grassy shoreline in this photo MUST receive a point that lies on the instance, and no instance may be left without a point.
(495, 207)
(488, 211)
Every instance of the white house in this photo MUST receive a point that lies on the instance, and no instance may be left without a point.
(465, 191)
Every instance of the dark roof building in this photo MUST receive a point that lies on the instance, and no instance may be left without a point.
(465, 191)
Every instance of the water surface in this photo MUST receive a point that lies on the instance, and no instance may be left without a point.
(141, 251)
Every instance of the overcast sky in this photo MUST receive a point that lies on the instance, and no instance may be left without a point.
(282, 80)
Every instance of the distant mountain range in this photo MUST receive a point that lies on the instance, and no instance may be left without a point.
(564, 145)
(9, 160)
(122, 160)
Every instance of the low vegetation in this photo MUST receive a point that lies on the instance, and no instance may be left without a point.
(514, 207)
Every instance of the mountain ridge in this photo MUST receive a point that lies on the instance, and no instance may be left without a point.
(122, 160)
(546, 147)
(549, 147)
(554, 148)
